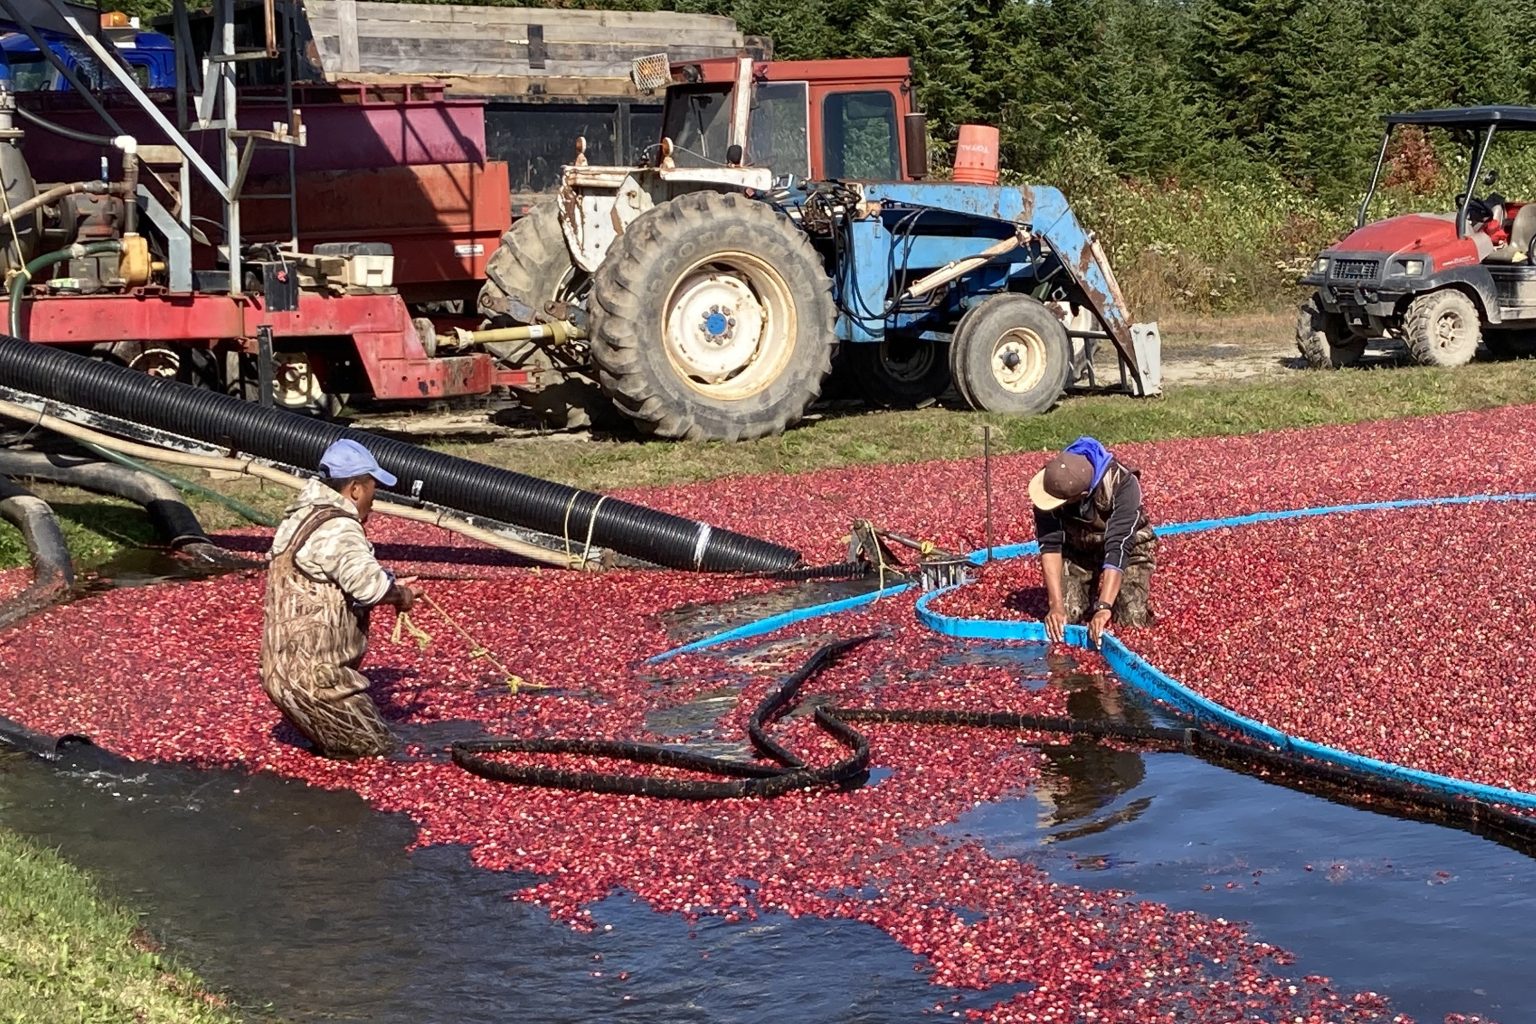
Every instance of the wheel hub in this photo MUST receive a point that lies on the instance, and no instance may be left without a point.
(1018, 359)
(715, 327)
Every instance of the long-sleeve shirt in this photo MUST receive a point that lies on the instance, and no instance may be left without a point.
(1125, 509)
(338, 550)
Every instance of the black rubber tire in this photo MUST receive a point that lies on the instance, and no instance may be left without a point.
(532, 266)
(956, 374)
(1324, 339)
(1024, 326)
(1442, 328)
(669, 246)
(900, 373)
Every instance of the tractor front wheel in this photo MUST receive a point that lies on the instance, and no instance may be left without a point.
(1324, 339)
(1443, 328)
(712, 319)
(1010, 354)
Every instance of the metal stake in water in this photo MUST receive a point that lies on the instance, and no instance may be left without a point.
(986, 473)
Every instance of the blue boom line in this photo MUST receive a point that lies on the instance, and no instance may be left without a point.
(1137, 671)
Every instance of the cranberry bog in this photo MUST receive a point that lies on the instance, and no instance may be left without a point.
(982, 874)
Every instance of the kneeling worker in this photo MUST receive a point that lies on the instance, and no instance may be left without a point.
(1096, 545)
(322, 583)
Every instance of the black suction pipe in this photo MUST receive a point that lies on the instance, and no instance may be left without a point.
(173, 521)
(53, 575)
(454, 483)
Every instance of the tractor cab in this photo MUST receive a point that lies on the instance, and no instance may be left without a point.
(1441, 281)
(817, 120)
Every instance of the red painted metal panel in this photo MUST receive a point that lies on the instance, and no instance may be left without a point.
(341, 135)
(380, 326)
(444, 221)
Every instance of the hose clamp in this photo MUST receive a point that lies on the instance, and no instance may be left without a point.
(416, 490)
(698, 548)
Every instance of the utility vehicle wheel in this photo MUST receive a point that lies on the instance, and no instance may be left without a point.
(533, 268)
(1324, 339)
(898, 372)
(1442, 328)
(1010, 354)
(712, 318)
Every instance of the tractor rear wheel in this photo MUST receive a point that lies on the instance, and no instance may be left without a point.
(1443, 328)
(712, 319)
(533, 268)
(1324, 339)
(1010, 354)
(899, 372)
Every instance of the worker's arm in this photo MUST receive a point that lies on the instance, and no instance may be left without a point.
(1050, 535)
(339, 550)
(1119, 534)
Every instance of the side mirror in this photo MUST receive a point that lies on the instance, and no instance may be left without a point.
(1490, 178)
(733, 155)
(915, 127)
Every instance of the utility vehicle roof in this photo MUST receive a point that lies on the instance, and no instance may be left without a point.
(1508, 118)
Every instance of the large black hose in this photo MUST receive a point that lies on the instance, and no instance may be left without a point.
(53, 575)
(173, 521)
(271, 433)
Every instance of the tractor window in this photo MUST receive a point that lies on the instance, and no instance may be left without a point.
(859, 130)
(698, 121)
(31, 74)
(780, 136)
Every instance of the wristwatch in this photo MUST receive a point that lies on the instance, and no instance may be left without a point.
(1102, 606)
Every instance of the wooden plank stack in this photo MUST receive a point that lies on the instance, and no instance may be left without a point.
(509, 50)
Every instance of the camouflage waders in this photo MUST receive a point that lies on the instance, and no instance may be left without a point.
(311, 646)
(1080, 572)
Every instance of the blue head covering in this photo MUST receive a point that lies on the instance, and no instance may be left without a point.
(1095, 453)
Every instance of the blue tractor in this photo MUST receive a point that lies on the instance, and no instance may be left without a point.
(783, 221)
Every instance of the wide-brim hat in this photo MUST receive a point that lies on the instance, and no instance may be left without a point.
(1067, 477)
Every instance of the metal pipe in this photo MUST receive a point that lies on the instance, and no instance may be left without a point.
(1370, 192)
(1477, 167)
(959, 268)
(251, 468)
(559, 331)
(95, 188)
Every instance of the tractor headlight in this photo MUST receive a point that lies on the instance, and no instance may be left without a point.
(1319, 267)
(1410, 268)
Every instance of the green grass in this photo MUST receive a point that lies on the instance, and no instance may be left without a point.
(68, 954)
(98, 530)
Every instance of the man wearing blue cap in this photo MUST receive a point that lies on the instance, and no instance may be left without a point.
(322, 583)
(1097, 547)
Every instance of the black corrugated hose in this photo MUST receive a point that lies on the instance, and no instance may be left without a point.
(470, 487)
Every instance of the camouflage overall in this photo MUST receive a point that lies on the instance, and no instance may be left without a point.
(311, 646)
(1082, 558)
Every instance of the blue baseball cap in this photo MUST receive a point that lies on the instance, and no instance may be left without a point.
(346, 459)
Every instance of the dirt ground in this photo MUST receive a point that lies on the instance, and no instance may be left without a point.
(1231, 348)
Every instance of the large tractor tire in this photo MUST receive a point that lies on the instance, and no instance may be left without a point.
(1324, 339)
(1010, 354)
(1442, 328)
(712, 319)
(533, 267)
(898, 373)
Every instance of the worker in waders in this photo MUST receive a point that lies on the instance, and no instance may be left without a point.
(1097, 548)
(322, 583)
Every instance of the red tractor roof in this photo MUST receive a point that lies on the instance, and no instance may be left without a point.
(866, 69)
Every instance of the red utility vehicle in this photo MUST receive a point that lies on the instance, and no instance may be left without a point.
(1440, 282)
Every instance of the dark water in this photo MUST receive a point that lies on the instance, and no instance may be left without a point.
(306, 903)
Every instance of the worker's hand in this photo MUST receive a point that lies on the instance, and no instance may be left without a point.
(403, 595)
(1056, 624)
(1097, 625)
